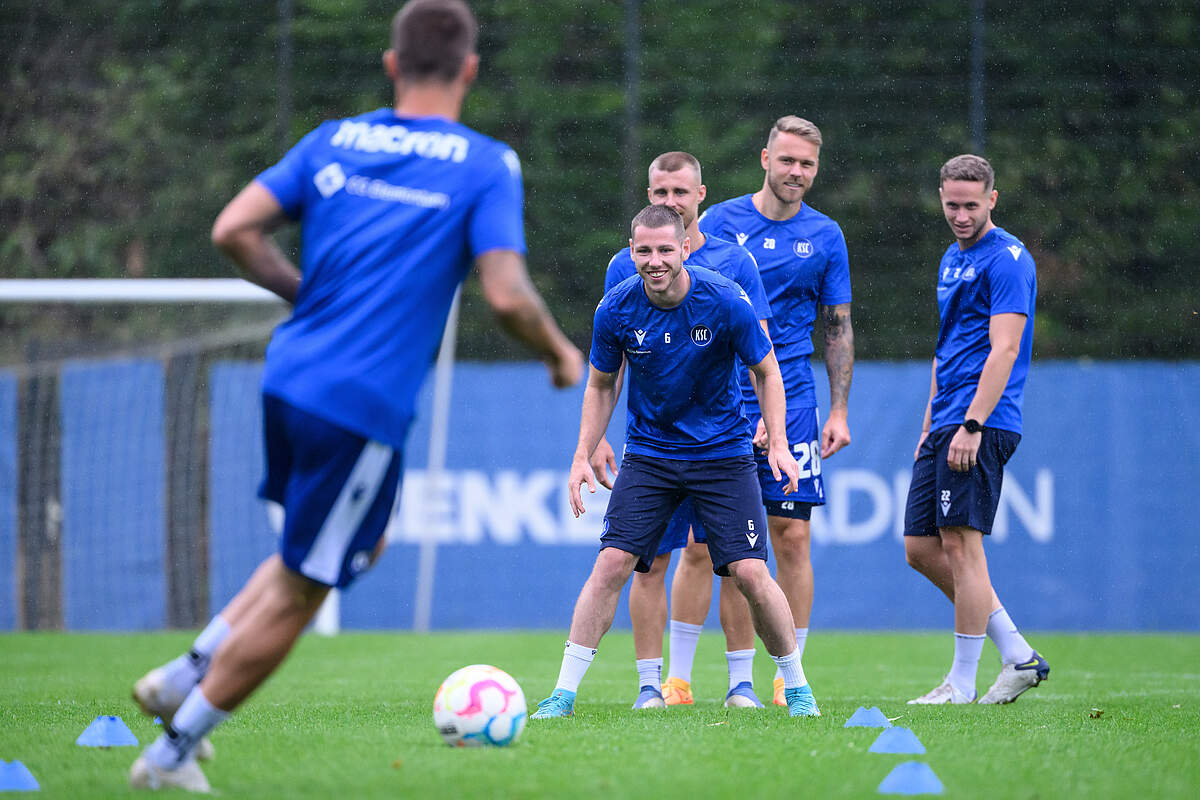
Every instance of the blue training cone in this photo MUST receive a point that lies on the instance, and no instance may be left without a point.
(911, 777)
(107, 732)
(867, 718)
(16, 777)
(897, 740)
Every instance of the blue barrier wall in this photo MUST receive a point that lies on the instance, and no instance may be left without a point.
(8, 501)
(113, 495)
(1092, 531)
(1095, 530)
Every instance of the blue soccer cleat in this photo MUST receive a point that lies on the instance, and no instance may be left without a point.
(559, 704)
(1015, 679)
(743, 696)
(649, 697)
(801, 703)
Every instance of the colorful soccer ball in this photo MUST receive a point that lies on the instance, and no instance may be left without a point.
(479, 705)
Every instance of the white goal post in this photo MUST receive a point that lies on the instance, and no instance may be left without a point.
(169, 291)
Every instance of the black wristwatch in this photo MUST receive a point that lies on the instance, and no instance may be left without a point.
(972, 426)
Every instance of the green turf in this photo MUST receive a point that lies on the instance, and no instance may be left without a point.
(349, 717)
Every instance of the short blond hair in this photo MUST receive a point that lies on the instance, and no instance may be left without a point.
(969, 167)
(797, 126)
(658, 217)
(675, 161)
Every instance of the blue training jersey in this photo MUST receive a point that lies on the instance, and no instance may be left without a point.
(683, 401)
(393, 212)
(803, 263)
(996, 275)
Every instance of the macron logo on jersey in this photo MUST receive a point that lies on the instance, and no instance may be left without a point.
(741, 239)
(330, 179)
(368, 138)
(641, 336)
(1015, 250)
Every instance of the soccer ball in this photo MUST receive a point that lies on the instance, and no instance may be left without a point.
(479, 705)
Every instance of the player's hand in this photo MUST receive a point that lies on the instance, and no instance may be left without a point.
(964, 450)
(783, 464)
(566, 366)
(604, 461)
(921, 441)
(581, 473)
(836, 433)
(760, 436)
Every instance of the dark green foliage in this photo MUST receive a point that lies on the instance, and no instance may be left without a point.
(126, 127)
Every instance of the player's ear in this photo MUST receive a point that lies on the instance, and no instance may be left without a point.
(765, 158)
(391, 64)
(685, 247)
(702, 193)
(992, 199)
(470, 69)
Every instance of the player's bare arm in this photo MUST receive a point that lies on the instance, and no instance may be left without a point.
(1004, 336)
(928, 419)
(760, 430)
(243, 232)
(773, 402)
(839, 364)
(522, 314)
(599, 400)
(603, 458)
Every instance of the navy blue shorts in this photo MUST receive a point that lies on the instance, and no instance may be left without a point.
(939, 497)
(677, 529)
(337, 490)
(790, 509)
(804, 436)
(725, 499)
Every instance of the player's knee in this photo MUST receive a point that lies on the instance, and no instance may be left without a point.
(613, 567)
(748, 574)
(696, 556)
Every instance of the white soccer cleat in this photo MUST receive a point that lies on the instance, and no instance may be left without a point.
(945, 694)
(1014, 679)
(187, 776)
(155, 695)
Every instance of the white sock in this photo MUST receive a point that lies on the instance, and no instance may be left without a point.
(188, 669)
(801, 639)
(741, 666)
(682, 642)
(790, 669)
(1009, 641)
(649, 672)
(967, 650)
(194, 720)
(575, 663)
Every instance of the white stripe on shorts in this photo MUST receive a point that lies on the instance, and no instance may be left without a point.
(324, 560)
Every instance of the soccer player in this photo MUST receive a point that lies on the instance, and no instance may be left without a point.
(801, 255)
(681, 331)
(986, 287)
(675, 181)
(395, 206)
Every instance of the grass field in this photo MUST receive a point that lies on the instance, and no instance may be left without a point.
(349, 717)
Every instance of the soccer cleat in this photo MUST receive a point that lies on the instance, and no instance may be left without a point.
(677, 692)
(649, 697)
(187, 776)
(559, 704)
(155, 695)
(779, 700)
(944, 694)
(1014, 679)
(801, 703)
(742, 696)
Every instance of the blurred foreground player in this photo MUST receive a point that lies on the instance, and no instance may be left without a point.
(675, 182)
(987, 285)
(683, 332)
(395, 206)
